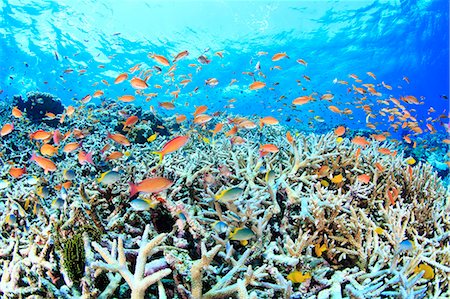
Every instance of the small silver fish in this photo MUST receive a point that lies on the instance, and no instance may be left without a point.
(109, 177)
(220, 227)
(140, 204)
(69, 174)
(405, 245)
(230, 194)
(31, 180)
(11, 219)
(63, 193)
(241, 234)
(58, 203)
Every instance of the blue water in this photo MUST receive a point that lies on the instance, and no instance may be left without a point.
(391, 39)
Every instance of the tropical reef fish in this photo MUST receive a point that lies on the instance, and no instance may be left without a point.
(256, 85)
(119, 138)
(109, 177)
(151, 185)
(241, 234)
(140, 204)
(406, 245)
(6, 129)
(44, 163)
(172, 146)
(428, 271)
(220, 227)
(69, 174)
(17, 172)
(229, 194)
(298, 277)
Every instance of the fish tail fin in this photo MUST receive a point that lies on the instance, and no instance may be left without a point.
(261, 124)
(33, 157)
(88, 158)
(161, 156)
(133, 189)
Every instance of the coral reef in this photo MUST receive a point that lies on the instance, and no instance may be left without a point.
(38, 105)
(346, 235)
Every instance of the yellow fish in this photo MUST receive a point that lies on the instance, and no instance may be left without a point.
(379, 230)
(241, 234)
(411, 161)
(298, 277)
(152, 137)
(318, 249)
(324, 183)
(429, 272)
(337, 179)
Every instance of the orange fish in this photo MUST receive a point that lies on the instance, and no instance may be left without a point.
(339, 131)
(202, 119)
(70, 110)
(268, 121)
(86, 99)
(135, 68)
(6, 129)
(327, 96)
(301, 61)
(17, 113)
(121, 78)
(48, 150)
(180, 118)
(334, 109)
(166, 105)
(172, 146)
(379, 166)
(359, 140)
(247, 124)
(384, 151)
(364, 178)
(138, 83)
(84, 158)
(302, 100)
(44, 163)
(98, 94)
(17, 172)
(161, 59)
(371, 75)
(232, 131)
(119, 138)
(289, 137)
(126, 98)
(279, 56)
(114, 156)
(70, 147)
(256, 85)
(267, 148)
(217, 129)
(151, 185)
(200, 109)
(131, 121)
(41, 135)
(180, 55)
(378, 137)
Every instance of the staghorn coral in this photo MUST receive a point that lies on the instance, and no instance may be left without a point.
(190, 259)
